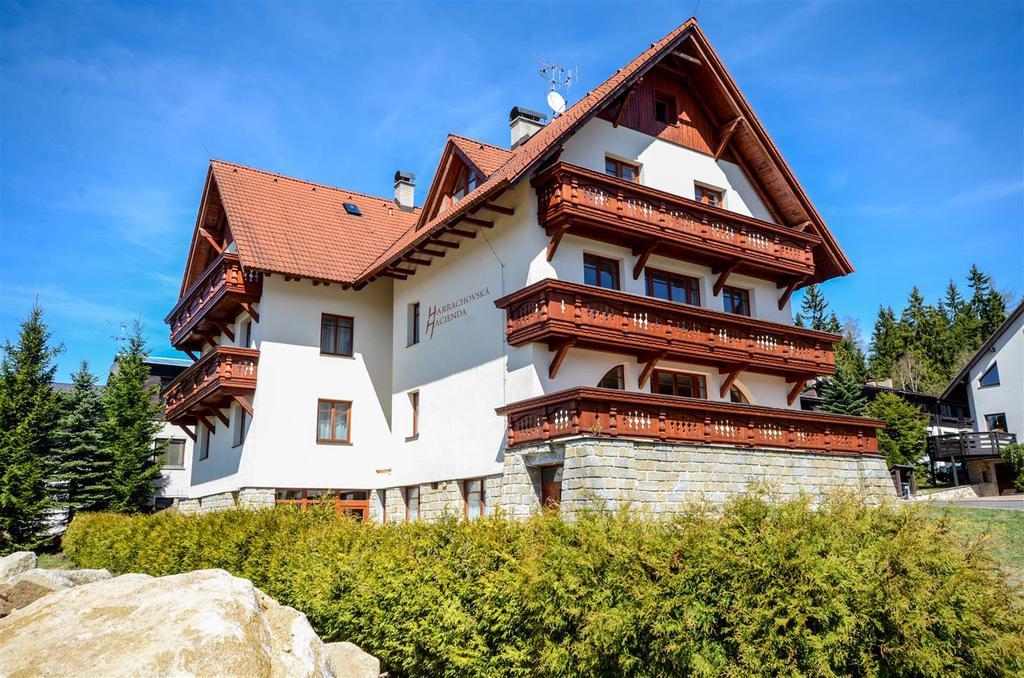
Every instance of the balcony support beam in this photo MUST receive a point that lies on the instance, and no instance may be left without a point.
(243, 403)
(190, 434)
(790, 288)
(723, 275)
(206, 422)
(642, 256)
(210, 239)
(192, 355)
(729, 380)
(650, 362)
(247, 307)
(561, 351)
(798, 387)
(225, 329)
(556, 238)
(220, 415)
(725, 133)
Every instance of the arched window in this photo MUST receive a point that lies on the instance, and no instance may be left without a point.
(736, 396)
(614, 378)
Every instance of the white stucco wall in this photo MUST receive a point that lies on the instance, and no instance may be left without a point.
(175, 482)
(1008, 396)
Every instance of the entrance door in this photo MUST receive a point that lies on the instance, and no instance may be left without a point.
(1004, 477)
(551, 487)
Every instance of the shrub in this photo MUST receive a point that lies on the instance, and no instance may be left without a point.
(760, 588)
(1014, 456)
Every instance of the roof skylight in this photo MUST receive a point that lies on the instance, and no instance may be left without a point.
(353, 209)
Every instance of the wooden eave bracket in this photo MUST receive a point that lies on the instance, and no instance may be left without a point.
(729, 380)
(225, 329)
(725, 134)
(206, 422)
(210, 239)
(650, 362)
(192, 355)
(723, 276)
(556, 238)
(802, 226)
(642, 256)
(462, 233)
(190, 434)
(625, 102)
(220, 415)
(247, 307)
(798, 387)
(244, 403)
(434, 240)
(473, 221)
(788, 292)
(561, 351)
(499, 209)
(417, 261)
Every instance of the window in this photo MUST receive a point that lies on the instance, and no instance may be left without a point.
(332, 421)
(465, 184)
(551, 487)
(414, 406)
(665, 108)
(679, 384)
(600, 272)
(681, 288)
(736, 300)
(991, 376)
(352, 209)
(412, 503)
(173, 455)
(708, 196)
(621, 170)
(736, 396)
(614, 378)
(413, 323)
(204, 442)
(996, 422)
(245, 336)
(355, 503)
(476, 501)
(335, 335)
(241, 425)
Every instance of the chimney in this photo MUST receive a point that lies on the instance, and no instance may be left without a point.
(405, 189)
(524, 123)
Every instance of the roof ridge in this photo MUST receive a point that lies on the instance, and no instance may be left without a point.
(477, 141)
(301, 181)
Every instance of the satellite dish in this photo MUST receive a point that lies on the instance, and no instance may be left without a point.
(556, 102)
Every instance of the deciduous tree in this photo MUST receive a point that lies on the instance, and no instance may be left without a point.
(902, 441)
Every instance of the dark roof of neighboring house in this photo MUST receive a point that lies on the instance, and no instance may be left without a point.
(985, 348)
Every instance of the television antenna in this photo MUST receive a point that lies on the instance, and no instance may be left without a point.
(559, 79)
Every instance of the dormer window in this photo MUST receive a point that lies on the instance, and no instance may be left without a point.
(468, 181)
(621, 170)
(708, 196)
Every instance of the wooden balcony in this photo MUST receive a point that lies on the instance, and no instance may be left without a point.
(575, 200)
(223, 375)
(624, 414)
(968, 444)
(213, 302)
(563, 314)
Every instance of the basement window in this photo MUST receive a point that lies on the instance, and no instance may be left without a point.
(353, 209)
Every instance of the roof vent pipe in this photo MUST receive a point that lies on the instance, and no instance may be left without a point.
(405, 189)
(524, 124)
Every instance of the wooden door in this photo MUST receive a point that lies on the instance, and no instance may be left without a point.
(551, 487)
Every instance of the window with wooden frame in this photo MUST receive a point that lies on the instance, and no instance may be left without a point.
(614, 378)
(673, 287)
(665, 109)
(333, 421)
(736, 300)
(412, 503)
(412, 324)
(465, 184)
(203, 442)
(682, 384)
(336, 335)
(414, 411)
(621, 169)
(551, 487)
(476, 498)
(708, 195)
(355, 503)
(600, 271)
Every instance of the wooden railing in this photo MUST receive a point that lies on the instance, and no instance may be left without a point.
(624, 414)
(223, 281)
(211, 381)
(602, 319)
(968, 444)
(567, 193)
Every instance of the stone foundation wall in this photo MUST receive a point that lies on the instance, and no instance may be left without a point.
(982, 474)
(249, 497)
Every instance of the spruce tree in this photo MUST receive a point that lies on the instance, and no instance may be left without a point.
(888, 343)
(814, 312)
(131, 410)
(82, 463)
(987, 305)
(28, 418)
(849, 354)
(842, 394)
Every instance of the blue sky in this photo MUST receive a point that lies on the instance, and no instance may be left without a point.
(902, 120)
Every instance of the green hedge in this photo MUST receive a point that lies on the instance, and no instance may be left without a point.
(762, 588)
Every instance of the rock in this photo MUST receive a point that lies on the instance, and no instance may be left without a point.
(195, 624)
(51, 579)
(16, 563)
(79, 577)
(23, 593)
(349, 660)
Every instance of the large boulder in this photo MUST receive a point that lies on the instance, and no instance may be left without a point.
(15, 564)
(200, 623)
(349, 660)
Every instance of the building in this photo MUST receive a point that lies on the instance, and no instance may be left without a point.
(600, 311)
(992, 385)
(176, 458)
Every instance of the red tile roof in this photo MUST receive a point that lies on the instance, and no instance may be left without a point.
(294, 227)
(486, 157)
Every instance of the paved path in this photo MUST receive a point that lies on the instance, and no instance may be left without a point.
(1006, 503)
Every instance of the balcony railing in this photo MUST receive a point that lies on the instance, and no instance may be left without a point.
(211, 383)
(554, 311)
(217, 297)
(624, 414)
(622, 212)
(968, 444)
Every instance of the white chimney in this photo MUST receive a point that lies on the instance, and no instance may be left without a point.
(405, 189)
(524, 123)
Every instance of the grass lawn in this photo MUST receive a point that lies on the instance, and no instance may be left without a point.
(55, 561)
(1007, 528)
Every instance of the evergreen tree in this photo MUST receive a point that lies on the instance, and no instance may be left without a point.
(888, 343)
(814, 312)
(28, 418)
(131, 410)
(987, 305)
(902, 441)
(841, 394)
(849, 354)
(82, 463)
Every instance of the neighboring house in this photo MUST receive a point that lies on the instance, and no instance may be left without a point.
(601, 310)
(176, 459)
(992, 384)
